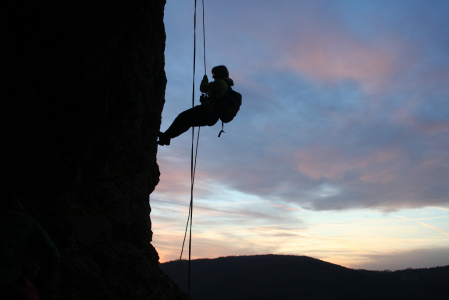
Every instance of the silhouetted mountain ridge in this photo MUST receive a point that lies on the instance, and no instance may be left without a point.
(301, 277)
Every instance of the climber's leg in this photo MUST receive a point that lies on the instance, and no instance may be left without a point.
(193, 117)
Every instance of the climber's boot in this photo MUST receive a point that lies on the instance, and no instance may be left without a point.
(163, 139)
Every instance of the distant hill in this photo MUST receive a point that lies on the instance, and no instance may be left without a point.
(282, 277)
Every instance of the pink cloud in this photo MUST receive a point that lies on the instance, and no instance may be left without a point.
(285, 207)
(335, 55)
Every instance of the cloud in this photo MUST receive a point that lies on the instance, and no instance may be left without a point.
(344, 107)
(336, 56)
(341, 110)
(320, 176)
(338, 164)
(442, 208)
(426, 225)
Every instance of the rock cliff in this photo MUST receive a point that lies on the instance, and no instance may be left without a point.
(82, 91)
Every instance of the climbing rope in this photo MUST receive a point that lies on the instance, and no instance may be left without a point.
(193, 158)
(204, 41)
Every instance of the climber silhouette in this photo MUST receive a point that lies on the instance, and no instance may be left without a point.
(18, 233)
(205, 114)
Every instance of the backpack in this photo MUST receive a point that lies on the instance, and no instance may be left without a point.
(229, 105)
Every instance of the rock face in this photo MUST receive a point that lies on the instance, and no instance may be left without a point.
(82, 91)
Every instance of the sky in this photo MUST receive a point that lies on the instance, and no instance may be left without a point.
(340, 149)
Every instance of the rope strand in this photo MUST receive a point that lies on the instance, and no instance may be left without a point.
(204, 42)
(193, 158)
(191, 153)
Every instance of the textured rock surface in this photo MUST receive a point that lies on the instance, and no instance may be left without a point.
(82, 91)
